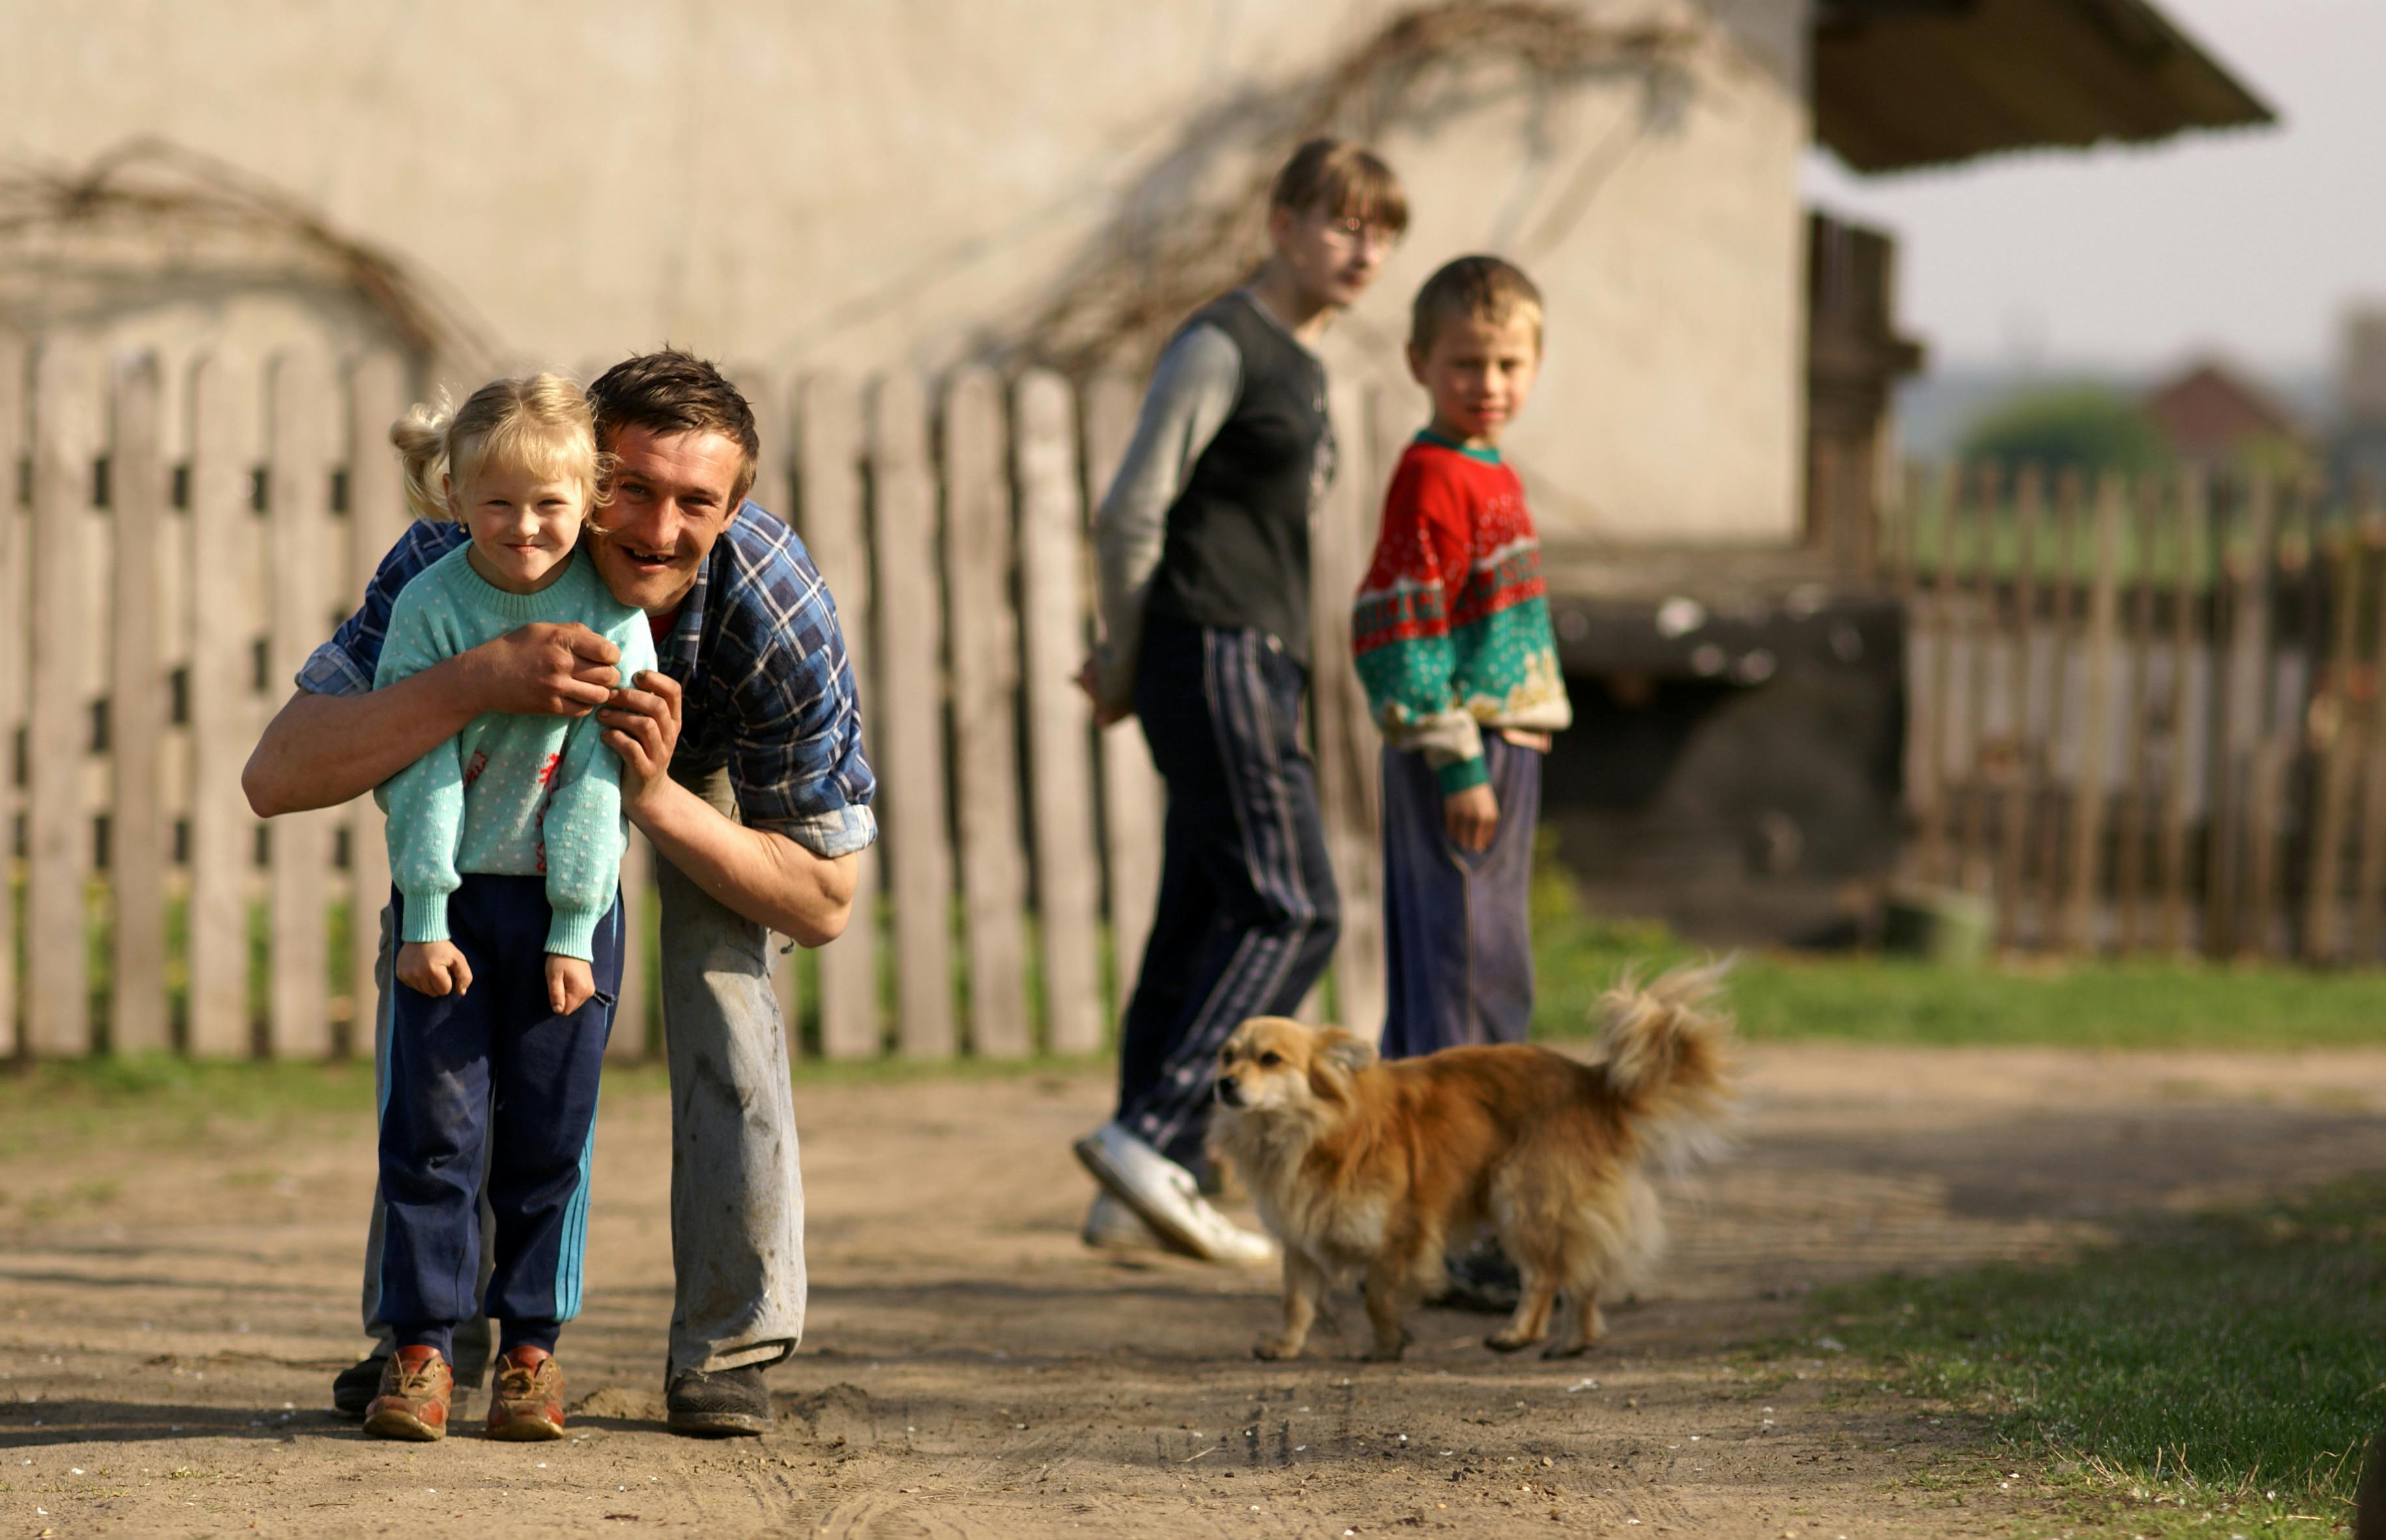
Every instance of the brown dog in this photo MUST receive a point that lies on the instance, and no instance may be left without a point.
(1357, 1164)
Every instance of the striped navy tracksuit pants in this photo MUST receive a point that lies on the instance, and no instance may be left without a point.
(1248, 914)
(491, 1067)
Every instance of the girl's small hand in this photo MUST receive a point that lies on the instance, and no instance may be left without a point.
(570, 984)
(434, 967)
(1471, 817)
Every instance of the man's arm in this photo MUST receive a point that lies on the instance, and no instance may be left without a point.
(767, 877)
(321, 750)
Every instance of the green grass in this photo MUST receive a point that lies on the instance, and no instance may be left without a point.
(2229, 1365)
(1785, 996)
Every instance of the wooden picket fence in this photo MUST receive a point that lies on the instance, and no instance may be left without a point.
(2145, 715)
(179, 538)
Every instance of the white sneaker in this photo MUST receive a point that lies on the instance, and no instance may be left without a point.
(1165, 1196)
(1113, 1226)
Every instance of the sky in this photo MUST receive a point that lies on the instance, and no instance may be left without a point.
(2246, 243)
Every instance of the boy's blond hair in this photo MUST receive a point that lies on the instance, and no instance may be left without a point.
(1476, 288)
(1345, 180)
(541, 421)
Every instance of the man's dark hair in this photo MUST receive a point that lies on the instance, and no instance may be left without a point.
(673, 392)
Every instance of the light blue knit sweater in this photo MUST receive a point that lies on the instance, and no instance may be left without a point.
(510, 796)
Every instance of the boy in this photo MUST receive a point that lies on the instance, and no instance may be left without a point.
(1204, 548)
(1454, 644)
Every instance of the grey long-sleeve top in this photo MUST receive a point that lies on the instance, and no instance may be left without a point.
(1193, 389)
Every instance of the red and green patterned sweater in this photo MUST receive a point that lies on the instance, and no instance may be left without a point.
(1452, 627)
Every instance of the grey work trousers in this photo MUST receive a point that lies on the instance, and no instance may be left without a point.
(737, 1190)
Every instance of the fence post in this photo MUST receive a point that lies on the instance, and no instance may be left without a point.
(829, 467)
(2087, 807)
(2369, 874)
(1133, 798)
(16, 639)
(985, 696)
(1933, 805)
(136, 710)
(2241, 691)
(911, 715)
(223, 849)
(298, 489)
(59, 720)
(1052, 562)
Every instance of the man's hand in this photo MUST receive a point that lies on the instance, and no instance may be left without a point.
(1471, 817)
(642, 726)
(1088, 679)
(434, 967)
(544, 669)
(570, 984)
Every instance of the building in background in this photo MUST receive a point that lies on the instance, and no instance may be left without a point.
(816, 185)
(2216, 419)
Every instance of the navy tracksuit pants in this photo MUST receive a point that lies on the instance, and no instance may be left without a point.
(1247, 913)
(1457, 923)
(493, 1065)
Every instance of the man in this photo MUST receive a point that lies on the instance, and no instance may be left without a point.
(742, 764)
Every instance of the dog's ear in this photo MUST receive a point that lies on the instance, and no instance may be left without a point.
(1335, 1055)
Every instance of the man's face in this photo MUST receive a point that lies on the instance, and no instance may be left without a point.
(671, 502)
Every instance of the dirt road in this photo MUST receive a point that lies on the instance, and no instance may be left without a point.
(170, 1315)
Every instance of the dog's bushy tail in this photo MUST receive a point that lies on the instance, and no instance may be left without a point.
(1669, 1064)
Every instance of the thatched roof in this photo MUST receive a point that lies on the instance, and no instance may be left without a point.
(1903, 83)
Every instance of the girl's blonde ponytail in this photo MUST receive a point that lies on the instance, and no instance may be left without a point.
(421, 440)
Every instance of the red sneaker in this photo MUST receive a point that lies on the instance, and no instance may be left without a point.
(415, 1390)
(526, 1402)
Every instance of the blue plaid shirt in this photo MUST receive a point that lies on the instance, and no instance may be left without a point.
(756, 648)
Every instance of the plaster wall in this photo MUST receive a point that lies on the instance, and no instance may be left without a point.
(821, 184)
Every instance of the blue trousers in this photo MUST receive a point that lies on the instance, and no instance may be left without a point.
(493, 1066)
(1247, 913)
(1456, 922)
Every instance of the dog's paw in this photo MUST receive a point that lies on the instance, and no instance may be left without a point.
(1563, 1349)
(1508, 1342)
(1380, 1354)
(1274, 1349)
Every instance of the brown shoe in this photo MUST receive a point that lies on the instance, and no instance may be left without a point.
(526, 1403)
(415, 1389)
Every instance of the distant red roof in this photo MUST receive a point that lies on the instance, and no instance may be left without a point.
(2211, 411)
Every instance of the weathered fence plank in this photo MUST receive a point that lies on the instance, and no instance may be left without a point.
(224, 832)
(985, 699)
(2369, 871)
(1053, 586)
(137, 713)
(2102, 640)
(2063, 631)
(58, 720)
(2190, 525)
(2245, 577)
(1938, 713)
(2336, 742)
(16, 642)
(828, 462)
(909, 713)
(773, 491)
(2022, 763)
(377, 516)
(2130, 868)
(298, 488)
(1133, 797)
(1974, 868)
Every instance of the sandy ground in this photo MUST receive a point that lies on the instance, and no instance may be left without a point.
(170, 1319)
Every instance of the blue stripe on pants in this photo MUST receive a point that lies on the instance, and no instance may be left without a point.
(493, 1064)
(1248, 914)
(1457, 927)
